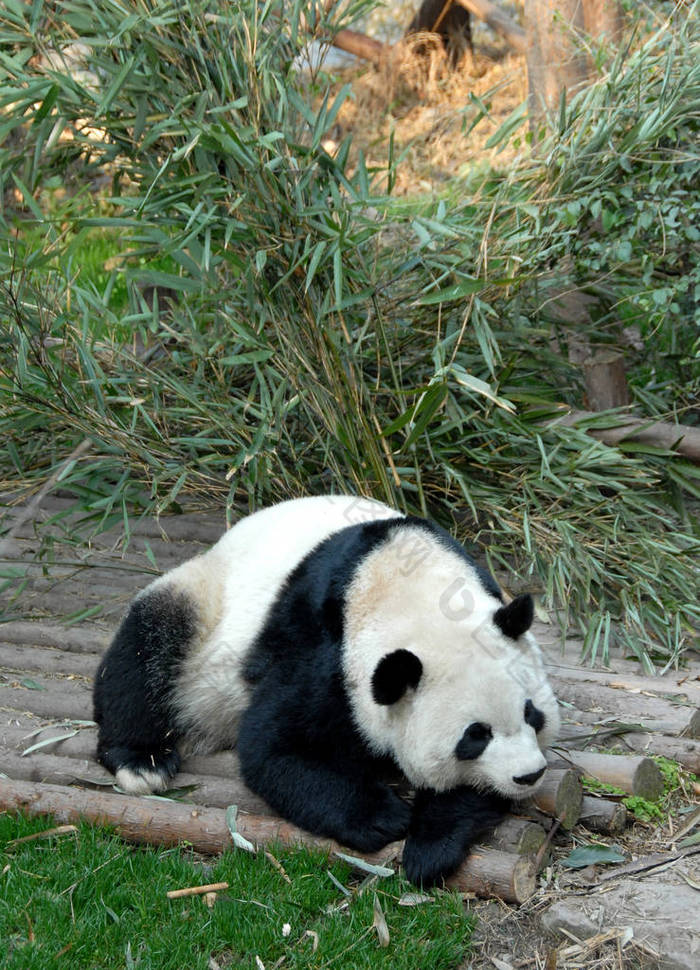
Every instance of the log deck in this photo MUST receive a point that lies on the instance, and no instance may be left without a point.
(47, 741)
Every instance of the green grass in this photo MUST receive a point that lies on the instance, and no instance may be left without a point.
(89, 901)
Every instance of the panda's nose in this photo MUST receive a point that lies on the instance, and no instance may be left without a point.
(528, 779)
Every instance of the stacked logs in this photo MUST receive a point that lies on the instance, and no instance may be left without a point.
(48, 670)
(506, 866)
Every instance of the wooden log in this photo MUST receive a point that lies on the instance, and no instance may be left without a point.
(47, 660)
(52, 768)
(144, 820)
(588, 724)
(353, 42)
(560, 795)
(74, 700)
(488, 872)
(519, 835)
(685, 751)
(603, 815)
(680, 439)
(606, 381)
(497, 20)
(78, 639)
(24, 732)
(631, 773)
(561, 670)
(628, 707)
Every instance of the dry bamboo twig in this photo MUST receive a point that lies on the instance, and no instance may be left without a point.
(213, 887)
(46, 834)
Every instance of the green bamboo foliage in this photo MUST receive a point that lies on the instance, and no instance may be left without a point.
(307, 334)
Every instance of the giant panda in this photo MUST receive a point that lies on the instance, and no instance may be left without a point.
(331, 639)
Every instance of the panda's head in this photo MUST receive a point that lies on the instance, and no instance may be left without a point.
(455, 696)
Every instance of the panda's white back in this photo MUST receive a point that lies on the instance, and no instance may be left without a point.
(233, 586)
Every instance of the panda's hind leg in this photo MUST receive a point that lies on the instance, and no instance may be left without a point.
(137, 738)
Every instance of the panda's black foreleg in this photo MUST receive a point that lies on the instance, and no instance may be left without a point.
(444, 826)
(335, 797)
(132, 692)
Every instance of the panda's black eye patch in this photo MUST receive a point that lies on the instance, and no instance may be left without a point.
(473, 742)
(533, 716)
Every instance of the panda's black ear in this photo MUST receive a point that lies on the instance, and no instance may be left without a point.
(394, 674)
(516, 617)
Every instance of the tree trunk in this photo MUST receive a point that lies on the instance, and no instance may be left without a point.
(603, 19)
(556, 65)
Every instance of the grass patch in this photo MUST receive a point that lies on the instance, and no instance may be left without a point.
(91, 901)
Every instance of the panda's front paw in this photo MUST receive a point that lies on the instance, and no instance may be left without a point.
(444, 826)
(428, 863)
(384, 818)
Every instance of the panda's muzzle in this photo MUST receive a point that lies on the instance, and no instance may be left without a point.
(530, 779)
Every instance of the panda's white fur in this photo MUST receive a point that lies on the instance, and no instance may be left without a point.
(201, 662)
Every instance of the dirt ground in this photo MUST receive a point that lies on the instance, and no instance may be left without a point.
(431, 112)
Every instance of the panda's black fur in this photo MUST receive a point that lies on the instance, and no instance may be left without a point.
(300, 740)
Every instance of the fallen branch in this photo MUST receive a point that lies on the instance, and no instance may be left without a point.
(46, 834)
(486, 872)
(654, 862)
(498, 21)
(353, 42)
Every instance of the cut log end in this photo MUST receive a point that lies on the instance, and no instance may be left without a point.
(561, 795)
(519, 835)
(603, 815)
(648, 782)
(489, 872)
